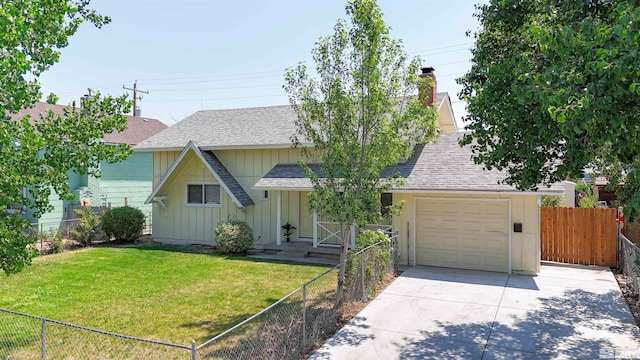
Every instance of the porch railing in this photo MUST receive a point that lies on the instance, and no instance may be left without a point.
(328, 233)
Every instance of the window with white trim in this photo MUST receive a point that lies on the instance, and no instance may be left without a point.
(204, 194)
(265, 194)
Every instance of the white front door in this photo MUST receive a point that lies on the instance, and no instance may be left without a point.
(305, 230)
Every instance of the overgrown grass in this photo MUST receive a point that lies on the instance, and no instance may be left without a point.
(159, 292)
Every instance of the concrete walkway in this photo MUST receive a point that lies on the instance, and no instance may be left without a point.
(566, 312)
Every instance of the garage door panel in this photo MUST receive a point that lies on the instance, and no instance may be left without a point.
(473, 244)
(493, 244)
(444, 258)
(474, 236)
(495, 226)
(472, 226)
(439, 242)
(449, 207)
(496, 209)
(472, 208)
(471, 260)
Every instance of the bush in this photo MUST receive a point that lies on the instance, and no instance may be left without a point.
(587, 202)
(50, 242)
(85, 231)
(234, 236)
(586, 199)
(552, 201)
(123, 223)
(376, 259)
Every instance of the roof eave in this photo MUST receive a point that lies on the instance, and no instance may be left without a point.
(225, 147)
(478, 191)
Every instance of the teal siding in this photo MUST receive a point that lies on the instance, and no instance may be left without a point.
(131, 179)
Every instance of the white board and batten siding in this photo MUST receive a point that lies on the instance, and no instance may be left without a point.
(469, 231)
(181, 224)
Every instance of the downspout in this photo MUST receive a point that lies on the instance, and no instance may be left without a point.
(407, 243)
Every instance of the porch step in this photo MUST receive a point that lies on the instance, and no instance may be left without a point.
(331, 256)
(290, 253)
(255, 251)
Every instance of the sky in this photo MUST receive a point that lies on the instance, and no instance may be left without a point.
(195, 55)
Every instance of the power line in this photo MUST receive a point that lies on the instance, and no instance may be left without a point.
(248, 75)
(217, 80)
(214, 76)
(441, 48)
(216, 99)
(218, 88)
(451, 63)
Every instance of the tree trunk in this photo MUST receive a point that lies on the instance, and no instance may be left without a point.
(346, 235)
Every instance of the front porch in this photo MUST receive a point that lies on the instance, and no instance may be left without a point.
(299, 251)
(311, 229)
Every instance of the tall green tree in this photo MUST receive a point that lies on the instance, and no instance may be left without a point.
(37, 153)
(361, 114)
(554, 88)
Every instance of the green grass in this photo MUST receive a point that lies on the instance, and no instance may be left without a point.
(159, 292)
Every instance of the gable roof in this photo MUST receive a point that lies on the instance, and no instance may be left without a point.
(217, 169)
(443, 166)
(262, 127)
(138, 128)
(258, 127)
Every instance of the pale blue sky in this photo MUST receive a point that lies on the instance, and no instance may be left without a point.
(209, 54)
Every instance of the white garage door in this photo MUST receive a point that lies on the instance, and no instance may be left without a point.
(465, 234)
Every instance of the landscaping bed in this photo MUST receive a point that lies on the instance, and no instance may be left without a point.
(632, 298)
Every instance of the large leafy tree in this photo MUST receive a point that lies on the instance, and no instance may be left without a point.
(553, 89)
(37, 153)
(361, 114)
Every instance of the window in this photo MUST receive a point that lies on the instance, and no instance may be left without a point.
(386, 201)
(203, 194)
(265, 195)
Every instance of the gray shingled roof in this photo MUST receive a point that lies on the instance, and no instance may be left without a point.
(441, 166)
(211, 129)
(228, 179)
(270, 126)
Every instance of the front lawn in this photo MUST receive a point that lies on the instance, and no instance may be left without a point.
(159, 292)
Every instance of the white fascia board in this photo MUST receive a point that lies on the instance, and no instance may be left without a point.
(480, 192)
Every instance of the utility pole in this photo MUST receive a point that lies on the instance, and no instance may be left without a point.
(135, 95)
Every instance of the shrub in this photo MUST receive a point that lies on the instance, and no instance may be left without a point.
(85, 231)
(375, 260)
(587, 202)
(234, 236)
(123, 223)
(586, 199)
(552, 201)
(50, 242)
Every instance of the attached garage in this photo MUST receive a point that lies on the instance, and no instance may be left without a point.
(457, 214)
(465, 234)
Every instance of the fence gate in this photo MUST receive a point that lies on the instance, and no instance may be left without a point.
(578, 236)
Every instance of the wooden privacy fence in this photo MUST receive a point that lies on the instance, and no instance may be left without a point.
(578, 236)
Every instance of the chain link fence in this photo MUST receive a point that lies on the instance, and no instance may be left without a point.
(288, 329)
(300, 321)
(629, 261)
(29, 337)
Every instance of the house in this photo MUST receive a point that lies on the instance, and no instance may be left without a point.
(239, 163)
(130, 179)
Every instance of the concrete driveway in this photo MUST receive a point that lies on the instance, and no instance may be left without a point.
(566, 312)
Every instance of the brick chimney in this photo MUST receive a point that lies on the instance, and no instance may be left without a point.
(429, 97)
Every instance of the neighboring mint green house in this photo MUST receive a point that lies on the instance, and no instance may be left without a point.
(130, 179)
(239, 163)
